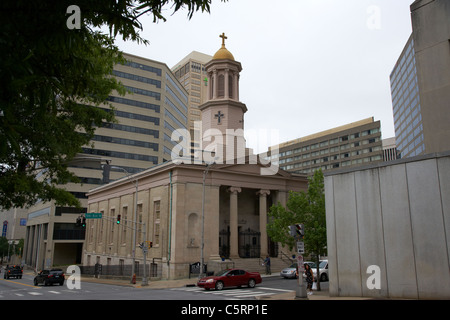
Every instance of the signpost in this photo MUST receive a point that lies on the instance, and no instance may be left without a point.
(93, 215)
(298, 232)
(300, 247)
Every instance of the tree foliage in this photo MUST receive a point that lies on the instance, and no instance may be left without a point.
(302, 207)
(307, 208)
(52, 80)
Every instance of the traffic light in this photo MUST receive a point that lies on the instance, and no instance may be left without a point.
(300, 229)
(78, 222)
(83, 222)
(118, 219)
(150, 244)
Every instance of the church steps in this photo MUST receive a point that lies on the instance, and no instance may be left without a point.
(255, 264)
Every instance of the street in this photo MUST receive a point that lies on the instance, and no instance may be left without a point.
(23, 289)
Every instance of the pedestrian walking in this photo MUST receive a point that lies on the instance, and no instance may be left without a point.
(309, 278)
(267, 264)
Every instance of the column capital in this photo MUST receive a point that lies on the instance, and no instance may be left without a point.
(234, 190)
(263, 192)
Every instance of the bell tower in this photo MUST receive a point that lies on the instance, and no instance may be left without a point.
(223, 113)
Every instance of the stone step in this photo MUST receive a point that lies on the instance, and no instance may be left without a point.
(256, 264)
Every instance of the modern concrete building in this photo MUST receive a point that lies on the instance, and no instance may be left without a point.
(191, 73)
(388, 227)
(350, 145)
(156, 105)
(420, 82)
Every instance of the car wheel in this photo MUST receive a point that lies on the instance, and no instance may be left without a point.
(219, 285)
(61, 283)
(46, 283)
(251, 283)
(323, 277)
(35, 283)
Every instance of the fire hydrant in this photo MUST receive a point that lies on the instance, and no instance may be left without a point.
(133, 280)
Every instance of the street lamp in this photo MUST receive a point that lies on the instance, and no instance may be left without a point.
(202, 258)
(133, 252)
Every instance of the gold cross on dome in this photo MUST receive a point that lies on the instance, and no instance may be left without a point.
(223, 38)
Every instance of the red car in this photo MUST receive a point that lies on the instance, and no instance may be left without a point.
(230, 278)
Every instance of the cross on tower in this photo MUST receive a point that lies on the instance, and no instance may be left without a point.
(223, 38)
(219, 116)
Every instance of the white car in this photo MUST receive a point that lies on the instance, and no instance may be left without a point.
(323, 270)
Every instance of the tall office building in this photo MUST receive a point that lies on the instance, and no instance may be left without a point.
(191, 73)
(420, 82)
(406, 104)
(156, 104)
(350, 145)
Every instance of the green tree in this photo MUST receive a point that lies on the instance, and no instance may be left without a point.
(302, 207)
(52, 78)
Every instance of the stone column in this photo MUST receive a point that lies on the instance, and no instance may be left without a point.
(234, 235)
(227, 84)
(236, 86)
(263, 221)
(215, 85)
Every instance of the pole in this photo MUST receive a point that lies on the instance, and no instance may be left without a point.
(202, 258)
(300, 291)
(145, 250)
(133, 252)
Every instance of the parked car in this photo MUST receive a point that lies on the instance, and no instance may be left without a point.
(323, 270)
(13, 272)
(230, 278)
(289, 272)
(49, 277)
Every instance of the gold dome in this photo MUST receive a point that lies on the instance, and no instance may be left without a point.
(223, 53)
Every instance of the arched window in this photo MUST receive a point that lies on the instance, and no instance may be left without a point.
(221, 87)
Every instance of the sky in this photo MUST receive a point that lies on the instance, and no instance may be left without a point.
(308, 65)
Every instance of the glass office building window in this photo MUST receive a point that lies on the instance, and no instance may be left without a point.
(406, 104)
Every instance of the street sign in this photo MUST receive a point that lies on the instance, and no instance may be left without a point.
(300, 264)
(93, 215)
(300, 247)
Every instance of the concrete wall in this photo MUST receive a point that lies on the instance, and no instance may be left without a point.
(395, 216)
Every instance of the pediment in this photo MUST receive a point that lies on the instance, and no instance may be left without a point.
(253, 167)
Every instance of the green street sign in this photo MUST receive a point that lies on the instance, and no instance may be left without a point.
(93, 215)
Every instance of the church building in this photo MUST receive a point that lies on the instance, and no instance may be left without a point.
(212, 209)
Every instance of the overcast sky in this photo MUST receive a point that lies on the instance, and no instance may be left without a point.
(308, 65)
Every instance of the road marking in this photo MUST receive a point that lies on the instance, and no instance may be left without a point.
(283, 290)
(35, 293)
(19, 294)
(253, 295)
(23, 284)
(55, 292)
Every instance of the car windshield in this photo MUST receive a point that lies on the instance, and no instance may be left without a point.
(323, 264)
(222, 273)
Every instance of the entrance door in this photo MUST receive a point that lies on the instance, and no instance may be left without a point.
(249, 244)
